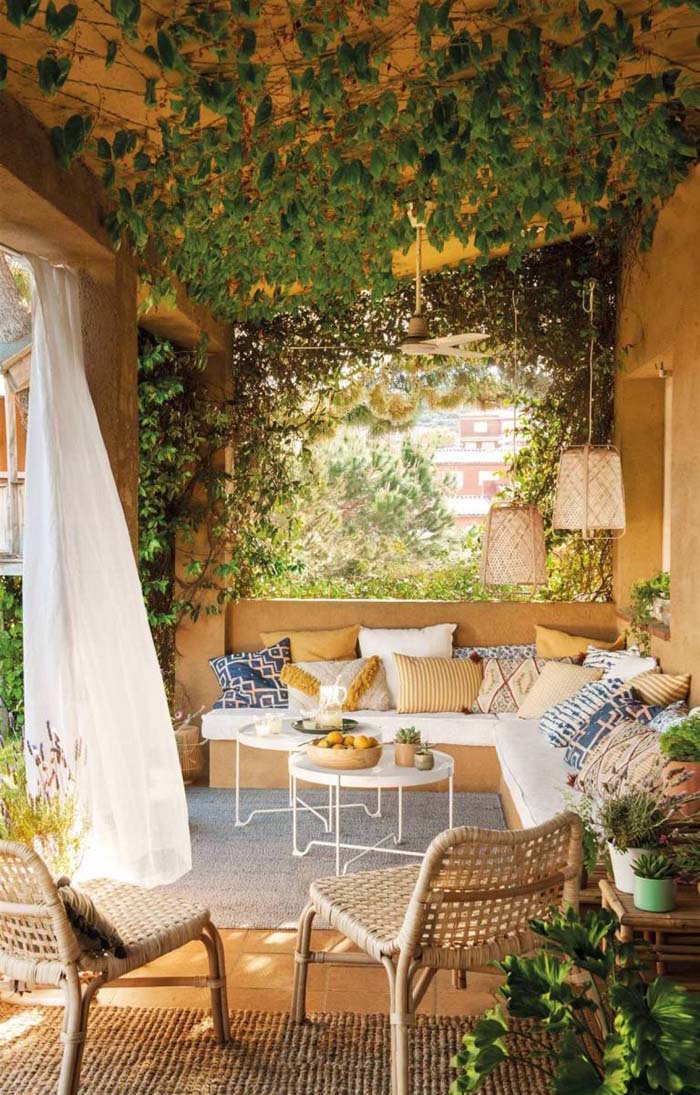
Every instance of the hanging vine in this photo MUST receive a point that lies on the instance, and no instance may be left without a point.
(281, 144)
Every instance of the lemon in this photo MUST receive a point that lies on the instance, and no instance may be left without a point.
(349, 740)
(338, 745)
(373, 743)
(362, 742)
(322, 744)
(334, 738)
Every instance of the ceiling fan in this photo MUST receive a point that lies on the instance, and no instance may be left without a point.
(418, 341)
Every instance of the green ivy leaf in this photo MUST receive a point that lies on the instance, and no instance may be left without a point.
(69, 140)
(267, 168)
(167, 51)
(248, 43)
(21, 11)
(690, 97)
(264, 111)
(149, 95)
(127, 14)
(53, 73)
(3, 71)
(60, 20)
(104, 149)
(111, 53)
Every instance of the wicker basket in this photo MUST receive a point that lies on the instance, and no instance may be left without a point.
(344, 759)
(190, 751)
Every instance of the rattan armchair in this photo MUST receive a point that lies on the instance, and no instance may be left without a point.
(467, 904)
(39, 947)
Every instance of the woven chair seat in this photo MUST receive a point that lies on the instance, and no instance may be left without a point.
(150, 923)
(369, 908)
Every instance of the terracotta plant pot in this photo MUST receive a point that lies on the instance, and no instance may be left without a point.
(673, 770)
(405, 755)
(424, 762)
(657, 895)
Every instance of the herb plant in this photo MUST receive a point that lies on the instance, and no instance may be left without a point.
(682, 741)
(633, 820)
(654, 866)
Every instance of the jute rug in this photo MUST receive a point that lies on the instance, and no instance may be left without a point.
(248, 876)
(133, 1051)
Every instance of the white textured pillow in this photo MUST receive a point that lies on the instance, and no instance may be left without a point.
(631, 665)
(557, 682)
(419, 642)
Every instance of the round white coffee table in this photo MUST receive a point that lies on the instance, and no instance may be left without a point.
(289, 741)
(387, 775)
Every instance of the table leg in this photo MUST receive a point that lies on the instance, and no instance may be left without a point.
(399, 833)
(337, 826)
(238, 779)
(330, 809)
(295, 849)
(450, 801)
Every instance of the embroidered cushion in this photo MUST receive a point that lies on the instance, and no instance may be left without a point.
(670, 716)
(515, 650)
(557, 682)
(505, 684)
(661, 688)
(363, 678)
(252, 679)
(437, 684)
(339, 644)
(562, 721)
(629, 757)
(552, 643)
(606, 719)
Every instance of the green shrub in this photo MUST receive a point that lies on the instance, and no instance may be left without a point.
(682, 741)
(11, 652)
(593, 1024)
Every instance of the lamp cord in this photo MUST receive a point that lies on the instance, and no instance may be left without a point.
(588, 303)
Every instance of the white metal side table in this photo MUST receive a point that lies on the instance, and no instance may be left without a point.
(387, 775)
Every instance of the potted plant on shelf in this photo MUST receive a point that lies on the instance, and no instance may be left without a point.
(680, 745)
(654, 885)
(686, 862)
(651, 600)
(406, 745)
(631, 824)
(424, 759)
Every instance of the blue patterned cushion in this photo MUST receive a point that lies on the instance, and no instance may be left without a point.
(605, 659)
(606, 719)
(562, 721)
(253, 679)
(521, 652)
(670, 716)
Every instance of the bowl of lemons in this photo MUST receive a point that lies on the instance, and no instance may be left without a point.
(345, 751)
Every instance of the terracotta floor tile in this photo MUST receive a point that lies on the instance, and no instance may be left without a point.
(282, 941)
(270, 971)
(348, 978)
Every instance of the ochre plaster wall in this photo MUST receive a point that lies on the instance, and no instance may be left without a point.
(659, 323)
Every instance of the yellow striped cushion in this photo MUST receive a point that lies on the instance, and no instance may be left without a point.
(661, 688)
(437, 684)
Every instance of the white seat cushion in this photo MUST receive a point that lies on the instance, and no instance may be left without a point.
(533, 770)
(441, 728)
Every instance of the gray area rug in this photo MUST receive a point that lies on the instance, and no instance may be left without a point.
(248, 876)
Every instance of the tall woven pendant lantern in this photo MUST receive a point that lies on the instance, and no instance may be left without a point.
(514, 551)
(590, 493)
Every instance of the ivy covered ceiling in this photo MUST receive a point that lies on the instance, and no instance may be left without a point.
(266, 150)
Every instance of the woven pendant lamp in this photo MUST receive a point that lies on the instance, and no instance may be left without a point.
(514, 552)
(590, 493)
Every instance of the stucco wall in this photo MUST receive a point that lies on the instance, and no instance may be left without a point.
(659, 324)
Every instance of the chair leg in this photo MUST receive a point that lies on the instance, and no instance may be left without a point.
(217, 977)
(401, 1017)
(302, 958)
(74, 1031)
(391, 977)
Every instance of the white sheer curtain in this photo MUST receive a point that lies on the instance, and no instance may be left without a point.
(90, 665)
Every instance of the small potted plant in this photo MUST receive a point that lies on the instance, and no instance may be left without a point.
(406, 745)
(686, 863)
(651, 600)
(631, 825)
(189, 745)
(680, 745)
(424, 759)
(654, 885)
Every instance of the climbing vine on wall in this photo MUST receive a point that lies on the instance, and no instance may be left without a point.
(280, 145)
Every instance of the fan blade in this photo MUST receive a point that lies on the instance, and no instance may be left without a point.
(461, 340)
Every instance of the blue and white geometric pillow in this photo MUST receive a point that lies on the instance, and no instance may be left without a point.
(670, 716)
(603, 722)
(253, 679)
(605, 659)
(523, 651)
(565, 719)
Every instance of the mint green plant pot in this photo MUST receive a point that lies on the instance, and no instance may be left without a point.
(657, 895)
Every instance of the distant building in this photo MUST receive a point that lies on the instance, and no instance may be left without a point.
(476, 464)
(15, 361)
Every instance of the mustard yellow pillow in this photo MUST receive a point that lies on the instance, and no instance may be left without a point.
(437, 684)
(559, 644)
(318, 646)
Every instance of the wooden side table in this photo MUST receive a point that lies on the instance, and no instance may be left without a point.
(673, 938)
